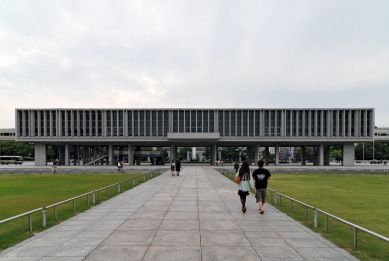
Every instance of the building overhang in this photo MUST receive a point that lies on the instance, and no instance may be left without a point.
(193, 136)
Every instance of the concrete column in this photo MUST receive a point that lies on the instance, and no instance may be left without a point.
(303, 151)
(130, 154)
(326, 155)
(40, 154)
(66, 155)
(348, 154)
(172, 152)
(111, 160)
(187, 156)
(213, 155)
(267, 155)
(321, 155)
(256, 154)
(250, 155)
(219, 154)
(277, 155)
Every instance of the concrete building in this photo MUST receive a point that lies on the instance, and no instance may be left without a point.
(97, 133)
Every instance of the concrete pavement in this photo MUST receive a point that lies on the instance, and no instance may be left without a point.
(196, 216)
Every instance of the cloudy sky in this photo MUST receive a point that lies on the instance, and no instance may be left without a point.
(202, 54)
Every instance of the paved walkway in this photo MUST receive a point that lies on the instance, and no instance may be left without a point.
(196, 216)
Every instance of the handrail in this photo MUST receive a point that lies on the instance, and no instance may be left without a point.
(29, 213)
(43, 209)
(326, 214)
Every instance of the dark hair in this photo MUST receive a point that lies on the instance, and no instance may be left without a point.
(244, 169)
(261, 162)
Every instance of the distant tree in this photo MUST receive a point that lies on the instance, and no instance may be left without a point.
(336, 154)
(24, 149)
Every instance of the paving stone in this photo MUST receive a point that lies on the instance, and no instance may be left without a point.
(141, 225)
(173, 253)
(229, 254)
(176, 238)
(128, 253)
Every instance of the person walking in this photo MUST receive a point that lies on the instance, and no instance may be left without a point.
(261, 176)
(172, 167)
(244, 185)
(119, 165)
(54, 166)
(236, 166)
(178, 166)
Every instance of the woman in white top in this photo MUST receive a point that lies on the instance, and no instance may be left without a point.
(244, 186)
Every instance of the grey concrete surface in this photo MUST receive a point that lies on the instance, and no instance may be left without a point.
(195, 216)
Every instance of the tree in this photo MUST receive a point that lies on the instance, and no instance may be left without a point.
(336, 154)
(24, 149)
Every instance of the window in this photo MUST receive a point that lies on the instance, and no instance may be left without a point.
(148, 121)
(319, 119)
(175, 121)
(166, 122)
(181, 122)
(239, 123)
(129, 123)
(42, 123)
(54, 123)
(136, 123)
(69, 120)
(109, 123)
(35, 123)
(205, 121)
(245, 124)
(287, 120)
(141, 123)
(211, 121)
(193, 121)
(199, 121)
(233, 123)
(99, 123)
(63, 122)
(93, 117)
(226, 123)
(75, 127)
(278, 129)
(325, 124)
(187, 121)
(251, 123)
(300, 123)
(257, 123)
(87, 123)
(160, 123)
(221, 129)
(48, 123)
(121, 124)
(81, 123)
(154, 123)
(267, 120)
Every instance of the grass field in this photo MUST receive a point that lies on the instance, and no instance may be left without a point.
(22, 193)
(360, 199)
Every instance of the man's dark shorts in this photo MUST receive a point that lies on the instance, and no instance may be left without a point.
(260, 195)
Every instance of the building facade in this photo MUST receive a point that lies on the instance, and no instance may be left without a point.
(251, 128)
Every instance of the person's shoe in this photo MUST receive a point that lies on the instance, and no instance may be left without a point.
(262, 211)
(178, 174)
(244, 209)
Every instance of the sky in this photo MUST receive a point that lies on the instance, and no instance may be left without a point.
(194, 54)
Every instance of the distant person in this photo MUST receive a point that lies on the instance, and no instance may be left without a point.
(119, 165)
(122, 166)
(244, 185)
(178, 166)
(236, 166)
(261, 176)
(172, 167)
(54, 166)
(222, 162)
(58, 161)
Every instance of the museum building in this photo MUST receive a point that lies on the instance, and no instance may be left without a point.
(95, 134)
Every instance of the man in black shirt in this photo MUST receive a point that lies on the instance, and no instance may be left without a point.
(261, 176)
(178, 166)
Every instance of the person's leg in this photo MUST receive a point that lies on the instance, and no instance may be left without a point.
(244, 208)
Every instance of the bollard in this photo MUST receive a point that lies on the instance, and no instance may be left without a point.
(44, 218)
(93, 198)
(30, 223)
(118, 188)
(144, 177)
(275, 198)
(315, 218)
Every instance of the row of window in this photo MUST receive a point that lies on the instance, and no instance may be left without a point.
(229, 123)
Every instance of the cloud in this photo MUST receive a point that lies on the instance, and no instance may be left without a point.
(221, 54)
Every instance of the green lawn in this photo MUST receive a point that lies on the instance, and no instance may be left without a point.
(22, 193)
(360, 199)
